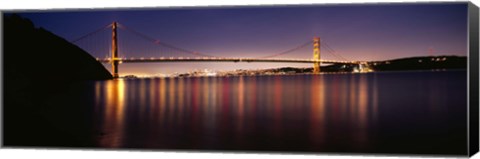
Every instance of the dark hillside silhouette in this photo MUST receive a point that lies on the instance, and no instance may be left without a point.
(37, 53)
(40, 69)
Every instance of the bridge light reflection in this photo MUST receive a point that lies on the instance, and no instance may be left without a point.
(113, 118)
(318, 110)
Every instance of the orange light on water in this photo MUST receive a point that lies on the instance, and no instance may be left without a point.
(317, 112)
(180, 99)
(114, 113)
(241, 103)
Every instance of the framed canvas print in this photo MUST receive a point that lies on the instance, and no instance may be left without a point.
(374, 79)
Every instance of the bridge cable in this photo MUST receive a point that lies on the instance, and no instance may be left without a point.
(157, 42)
(288, 51)
(89, 34)
(332, 51)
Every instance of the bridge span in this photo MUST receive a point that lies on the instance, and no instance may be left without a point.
(115, 59)
(222, 59)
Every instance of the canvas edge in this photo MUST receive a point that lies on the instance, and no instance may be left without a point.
(1, 81)
(473, 64)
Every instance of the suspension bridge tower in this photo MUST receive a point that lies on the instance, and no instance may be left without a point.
(114, 57)
(316, 54)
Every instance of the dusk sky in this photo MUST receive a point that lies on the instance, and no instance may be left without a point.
(356, 32)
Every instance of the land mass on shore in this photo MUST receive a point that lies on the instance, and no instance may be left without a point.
(39, 69)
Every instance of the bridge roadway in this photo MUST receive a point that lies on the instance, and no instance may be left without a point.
(221, 59)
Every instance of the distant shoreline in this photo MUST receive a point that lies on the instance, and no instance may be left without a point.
(426, 63)
(295, 74)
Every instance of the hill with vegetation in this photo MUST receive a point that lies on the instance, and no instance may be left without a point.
(401, 64)
(36, 53)
(421, 63)
(38, 69)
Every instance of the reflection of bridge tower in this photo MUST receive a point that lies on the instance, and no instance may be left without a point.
(316, 54)
(114, 57)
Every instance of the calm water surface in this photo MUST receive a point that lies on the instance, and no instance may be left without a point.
(391, 112)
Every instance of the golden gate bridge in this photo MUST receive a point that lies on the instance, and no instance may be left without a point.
(114, 57)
